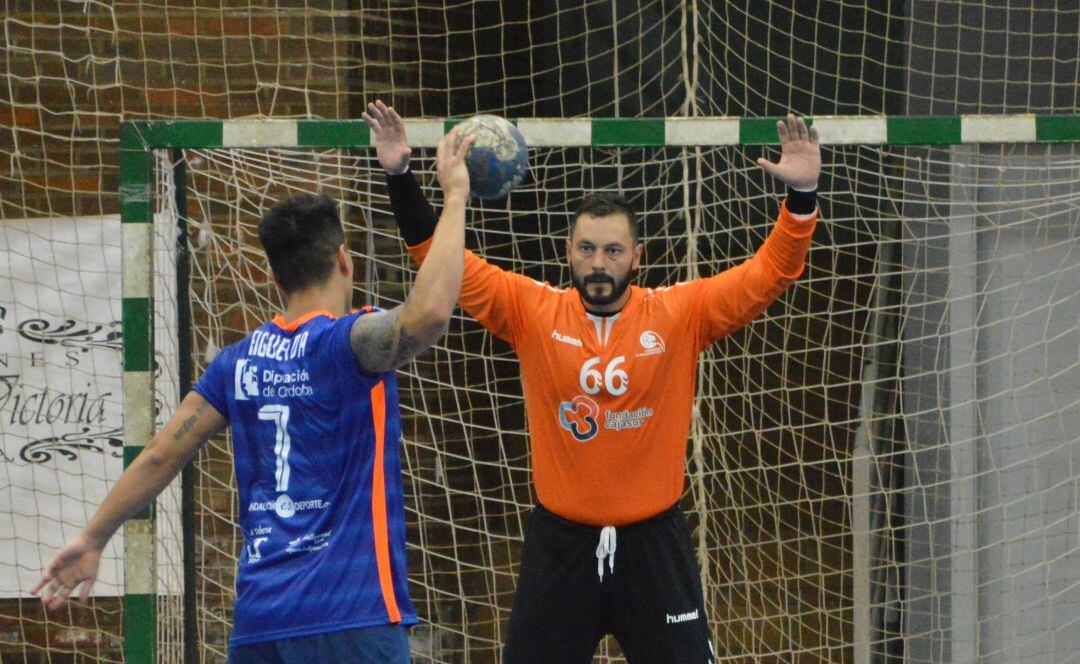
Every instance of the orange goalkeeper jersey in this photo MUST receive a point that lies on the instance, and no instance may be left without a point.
(608, 398)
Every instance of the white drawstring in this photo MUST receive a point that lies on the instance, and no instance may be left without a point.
(605, 549)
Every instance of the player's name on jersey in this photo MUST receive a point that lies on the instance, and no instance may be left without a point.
(276, 347)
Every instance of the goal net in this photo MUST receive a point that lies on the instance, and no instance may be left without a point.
(883, 467)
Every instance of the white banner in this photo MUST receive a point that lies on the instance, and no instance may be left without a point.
(60, 391)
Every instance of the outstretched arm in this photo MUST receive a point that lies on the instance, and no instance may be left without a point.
(413, 212)
(488, 293)
(727, 301)
(194, 422)
(388, 339)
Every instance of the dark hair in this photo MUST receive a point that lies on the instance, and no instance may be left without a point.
(301, 236)
(602, 204)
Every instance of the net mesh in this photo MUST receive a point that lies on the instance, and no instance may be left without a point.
(846, 424)
(71, 70)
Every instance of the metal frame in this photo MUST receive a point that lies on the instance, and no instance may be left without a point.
(139, 138)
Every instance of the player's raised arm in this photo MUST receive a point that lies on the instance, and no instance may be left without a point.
(194, 422)
(387, 340)
(740, 294)
(412, 211)
(488, 293)
(799, 168)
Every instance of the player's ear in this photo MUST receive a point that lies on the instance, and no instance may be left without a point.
(639, 249)
(568, 246)
(344, 261)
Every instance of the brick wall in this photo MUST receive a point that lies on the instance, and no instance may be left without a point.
(70, 71)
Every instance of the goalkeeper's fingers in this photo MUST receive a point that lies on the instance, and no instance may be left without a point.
(372, 117)
(782, 132)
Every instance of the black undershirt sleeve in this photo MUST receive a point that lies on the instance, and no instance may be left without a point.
(413, 212)
(801, 202)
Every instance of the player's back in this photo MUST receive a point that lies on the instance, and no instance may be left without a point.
(316, 448)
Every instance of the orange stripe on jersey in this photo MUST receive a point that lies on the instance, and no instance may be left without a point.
(378, 504)
(280, 321)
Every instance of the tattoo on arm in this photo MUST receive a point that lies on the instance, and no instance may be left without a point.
(202, 411)
(186, 426)
(381, 341)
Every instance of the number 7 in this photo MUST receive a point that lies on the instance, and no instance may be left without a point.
(279, 415)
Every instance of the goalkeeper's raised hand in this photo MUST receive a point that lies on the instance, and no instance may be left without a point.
(391, 143)
(800, 155)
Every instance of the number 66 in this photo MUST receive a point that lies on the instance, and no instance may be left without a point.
(614, 378)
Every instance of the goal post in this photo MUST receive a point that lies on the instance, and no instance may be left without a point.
(137, 285)
(858, 455)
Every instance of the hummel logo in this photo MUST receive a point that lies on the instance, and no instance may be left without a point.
(682, 617)
(565, 339)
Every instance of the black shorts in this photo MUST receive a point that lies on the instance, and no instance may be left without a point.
(650, 600)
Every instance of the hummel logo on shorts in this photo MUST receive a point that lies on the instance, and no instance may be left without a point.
(682, 617)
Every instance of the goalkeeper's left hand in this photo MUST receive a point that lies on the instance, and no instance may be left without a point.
(800, 155)
(391, 143)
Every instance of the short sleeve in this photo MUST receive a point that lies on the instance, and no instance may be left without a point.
(339, 348)
(214, 383)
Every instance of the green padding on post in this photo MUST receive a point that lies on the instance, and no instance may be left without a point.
(628, 131)
(171, 134)
(1057, 129)
(140, 629)
(333, 133)
(130, 452)
(138, 335)
(927, 130)
(135, 186)
(185, 134)
(758, 131)
(131, 135)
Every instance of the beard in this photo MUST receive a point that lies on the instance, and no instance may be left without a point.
(618, 287)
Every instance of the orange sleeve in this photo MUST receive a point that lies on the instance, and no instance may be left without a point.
(489, 294)
(717, 306)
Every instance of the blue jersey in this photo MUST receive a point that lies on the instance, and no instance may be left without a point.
(316, 443)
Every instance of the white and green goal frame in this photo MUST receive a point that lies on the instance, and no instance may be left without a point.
(138, 139)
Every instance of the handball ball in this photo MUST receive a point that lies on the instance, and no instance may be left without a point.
(498, 160)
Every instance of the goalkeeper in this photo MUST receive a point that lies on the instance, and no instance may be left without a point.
(608, 372)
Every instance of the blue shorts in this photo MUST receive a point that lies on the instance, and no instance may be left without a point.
(382, 644)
